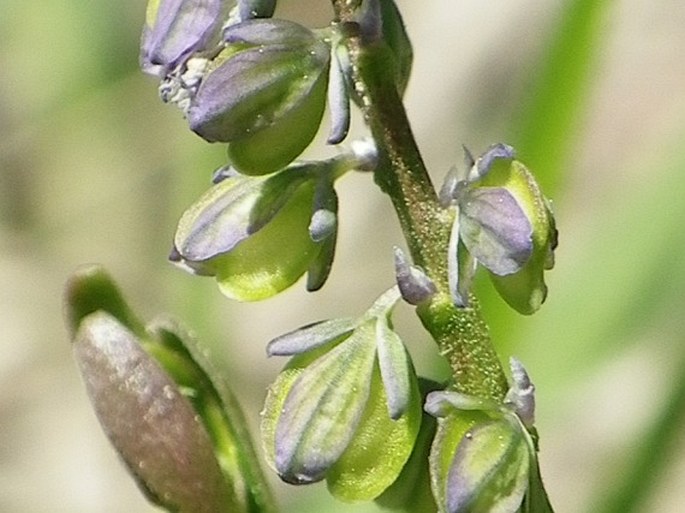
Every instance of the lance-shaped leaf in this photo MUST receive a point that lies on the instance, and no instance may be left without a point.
(153, 426)
(175, 29)
(91, 289)
(395, 35)
(323, 409)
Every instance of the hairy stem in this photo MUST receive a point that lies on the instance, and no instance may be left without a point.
(461, 334)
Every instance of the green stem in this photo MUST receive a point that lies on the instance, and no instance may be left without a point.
(461, 334)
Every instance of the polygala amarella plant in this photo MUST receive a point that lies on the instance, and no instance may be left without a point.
(348, 407)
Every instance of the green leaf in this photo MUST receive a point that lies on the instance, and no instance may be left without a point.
(396, 37)
(90, 289)
(536, 500)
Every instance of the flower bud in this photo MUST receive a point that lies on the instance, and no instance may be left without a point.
(413, 485)
(480, 459)
(181, 436)
(176, 29)
(264, 94)
(252, 233)
(323, 229)
(415, 286)
(505, 224)
(346, 408)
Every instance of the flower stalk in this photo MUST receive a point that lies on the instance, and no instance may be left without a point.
(461, 333)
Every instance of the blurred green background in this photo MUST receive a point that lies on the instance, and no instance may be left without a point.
(94, 168)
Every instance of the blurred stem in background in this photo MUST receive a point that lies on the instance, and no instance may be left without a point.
(652, 459)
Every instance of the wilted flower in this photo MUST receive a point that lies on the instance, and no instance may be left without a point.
(503, 222)
(483, 457)
(176, 29)
(173, 427)
(258, 235)
(347, 406)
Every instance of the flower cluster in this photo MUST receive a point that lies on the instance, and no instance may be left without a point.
(347, 408)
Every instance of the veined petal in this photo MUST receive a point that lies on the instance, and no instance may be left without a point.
(323, 408)
(495, 229)
(231, 211)
(259, 32)
(310, 337)
(395, 367)
(380, 448)
(489, 473)
(253, 88)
